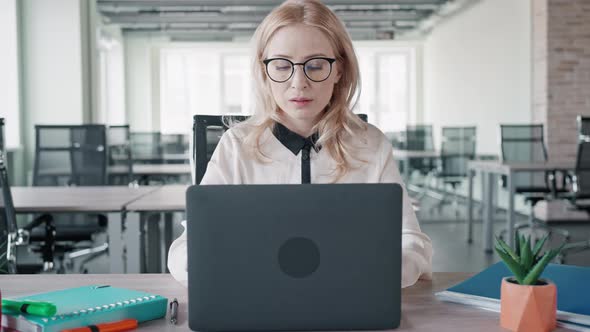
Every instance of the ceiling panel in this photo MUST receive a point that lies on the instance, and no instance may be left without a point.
(369, 19)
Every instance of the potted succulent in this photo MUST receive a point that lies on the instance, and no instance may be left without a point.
(527, 303)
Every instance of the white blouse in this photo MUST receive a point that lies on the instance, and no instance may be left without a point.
(230, 164)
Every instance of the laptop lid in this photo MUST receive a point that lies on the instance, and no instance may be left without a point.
(294, 257)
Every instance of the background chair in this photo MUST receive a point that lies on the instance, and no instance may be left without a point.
(119, 152)
(579, 197)
(207, 131)
(146, 147)
(74, 155)
(363, 117)
(419, 138)
(10, 234)
(525, 143)
(457, 148)
(175, 143)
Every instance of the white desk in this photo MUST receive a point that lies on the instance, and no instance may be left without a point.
(110, 200)
(157, 204)
(421, 310)
(152, 169)
(489, 170)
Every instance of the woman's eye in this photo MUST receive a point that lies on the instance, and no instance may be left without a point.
(314, 67)
(283, 68)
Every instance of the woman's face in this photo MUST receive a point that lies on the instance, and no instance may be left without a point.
(301, 99)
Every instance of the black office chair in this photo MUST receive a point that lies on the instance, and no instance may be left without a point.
(73, 155)
(146, 147)
(175, 144)
(579, 197)
(525, 143)
(207, 131)
(457, 148)
(363, 117)
(10, 235)
(119, 153)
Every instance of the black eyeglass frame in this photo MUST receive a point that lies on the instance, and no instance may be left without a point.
(293, 64)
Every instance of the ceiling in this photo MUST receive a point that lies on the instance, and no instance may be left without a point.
(232, 19)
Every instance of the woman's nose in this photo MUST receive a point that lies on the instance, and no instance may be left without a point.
(299, 80)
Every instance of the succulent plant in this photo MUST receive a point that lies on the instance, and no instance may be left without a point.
(525, 260)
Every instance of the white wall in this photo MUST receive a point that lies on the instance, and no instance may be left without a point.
(53, 76)
(9, 80)
(477, 70)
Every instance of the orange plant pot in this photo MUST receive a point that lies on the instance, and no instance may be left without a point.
(526, 308)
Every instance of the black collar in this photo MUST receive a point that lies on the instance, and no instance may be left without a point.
(293, 141)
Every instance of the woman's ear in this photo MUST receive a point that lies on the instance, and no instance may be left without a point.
(338, 75)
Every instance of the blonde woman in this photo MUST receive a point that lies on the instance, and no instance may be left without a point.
(303, 129)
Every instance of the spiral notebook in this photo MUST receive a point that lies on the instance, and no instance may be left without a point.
(88, 305)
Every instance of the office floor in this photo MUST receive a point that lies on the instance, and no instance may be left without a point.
(452, 253)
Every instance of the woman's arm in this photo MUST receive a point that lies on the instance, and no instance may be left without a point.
(416, 246)
(219, 171)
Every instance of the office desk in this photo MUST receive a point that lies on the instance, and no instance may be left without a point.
(164, 158)
(110, 200)
(489, 170)
(162, 202)
(152, 169)
(421, 311)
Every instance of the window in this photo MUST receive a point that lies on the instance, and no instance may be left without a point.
(388, 90)
(9, 80)
(202, 80)
(216, 79)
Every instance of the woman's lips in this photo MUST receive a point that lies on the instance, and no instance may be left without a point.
(300, 102)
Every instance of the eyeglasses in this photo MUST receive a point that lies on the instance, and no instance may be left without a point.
(316, 69)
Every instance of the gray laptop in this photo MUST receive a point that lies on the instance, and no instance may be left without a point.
(294, 257)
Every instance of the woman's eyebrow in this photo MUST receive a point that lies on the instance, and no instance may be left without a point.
(289, 57)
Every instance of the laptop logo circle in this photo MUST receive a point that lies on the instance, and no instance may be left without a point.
(299, 257)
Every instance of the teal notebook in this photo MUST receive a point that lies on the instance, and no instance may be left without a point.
(573, 291)
(88, 305)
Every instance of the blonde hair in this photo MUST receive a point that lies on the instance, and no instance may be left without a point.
(337, 119)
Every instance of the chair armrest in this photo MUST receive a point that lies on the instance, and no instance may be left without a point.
(42, 219)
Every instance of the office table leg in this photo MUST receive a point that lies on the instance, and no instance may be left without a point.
(488, 213)
(167, 240)
(510, 217)
(406, 163)
(470, 174)
(114, 230)
(134, 243)
(153, 258)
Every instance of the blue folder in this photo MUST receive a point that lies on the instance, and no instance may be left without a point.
(573, 290)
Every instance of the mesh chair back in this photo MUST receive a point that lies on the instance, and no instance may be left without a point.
(70, 155)
(7, 214)
(419, 137)
(582, 171)
(147, 146)
(583, 126)
(119, 143)
(457, 148)
(582, 180)
(207, 131)
(175, 143)
(524, 143)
